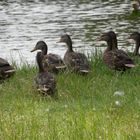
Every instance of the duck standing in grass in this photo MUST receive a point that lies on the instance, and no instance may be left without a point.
(74, 61)
(6, 70)
(113, 57)
(136, 37)
(45, 81)
(51, 62)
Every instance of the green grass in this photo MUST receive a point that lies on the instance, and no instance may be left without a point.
(85, 108)
(134, 15)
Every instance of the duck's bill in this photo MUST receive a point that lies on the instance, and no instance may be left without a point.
(99, 38)
(130, 39)
(33, 50)
(59, 41)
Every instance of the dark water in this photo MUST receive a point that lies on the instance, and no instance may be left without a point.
(24, 22)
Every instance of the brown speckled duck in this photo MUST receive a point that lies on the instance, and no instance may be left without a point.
(45, 81)
(136, 37)
(51, 62)
(6, 70)
(113, 57)
(74, 61)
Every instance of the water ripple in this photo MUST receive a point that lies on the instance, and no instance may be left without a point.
(23, 23)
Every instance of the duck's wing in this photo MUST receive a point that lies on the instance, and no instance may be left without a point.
(54, 59)
(118, 60)
(123, 58)
(122, 53)
(53, 63)
(77, 61)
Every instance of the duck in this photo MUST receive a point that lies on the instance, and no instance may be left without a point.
(135, 5)
(51, 62)
(6, 70)
(136, 37)
(113, 57)
(75, 61)
(44, 80)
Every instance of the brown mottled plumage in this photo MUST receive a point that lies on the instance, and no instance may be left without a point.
(113, 57)
(136, 37)
(45, 81)
(6, 70)
(51, 62)
(74, 61)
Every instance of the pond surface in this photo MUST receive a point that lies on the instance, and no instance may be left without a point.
(24, 22)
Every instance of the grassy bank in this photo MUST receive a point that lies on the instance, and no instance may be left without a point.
(86, 107)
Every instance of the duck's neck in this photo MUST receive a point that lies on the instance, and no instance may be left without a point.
(40, 64)
(136, 51)
(44, 49)
(109, 46)
(69, 45)
(114, 44)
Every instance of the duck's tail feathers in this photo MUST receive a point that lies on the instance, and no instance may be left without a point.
(84, 71)
(9, 71)
(61, 67)
(130, 65)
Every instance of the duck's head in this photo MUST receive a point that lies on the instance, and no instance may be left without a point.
(135, 36)
(65, 38)
(112, 34)
(40, 45)
(108, 39)
(135, 5)
(105, 37)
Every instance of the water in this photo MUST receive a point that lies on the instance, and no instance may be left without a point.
(24, 22)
